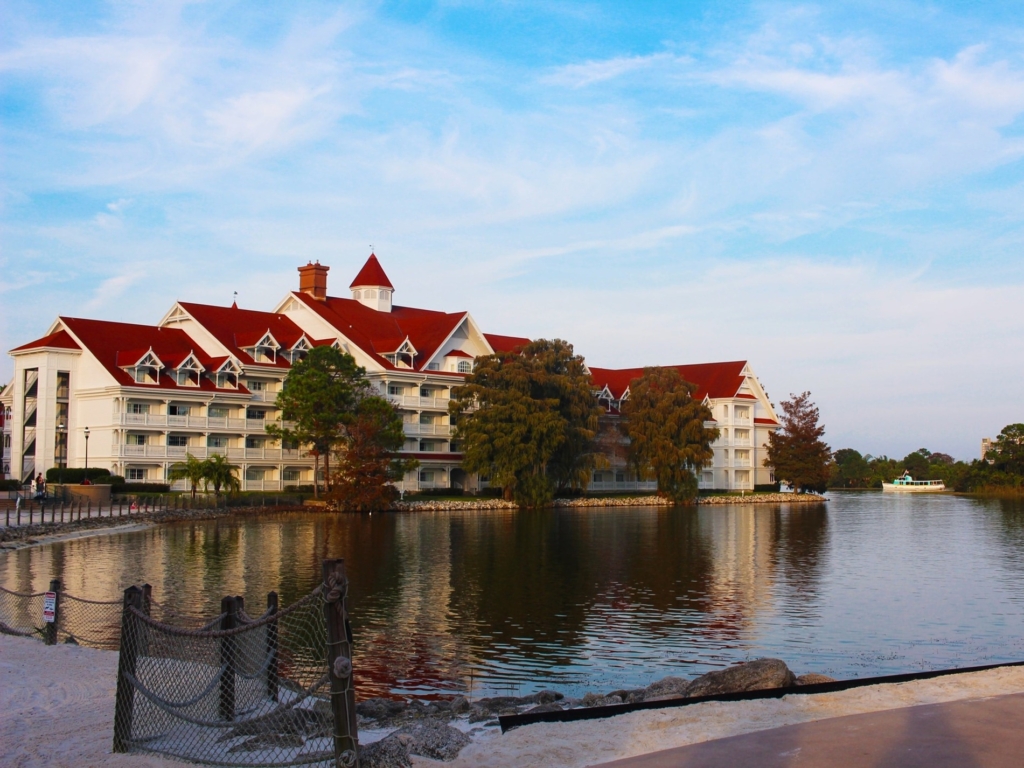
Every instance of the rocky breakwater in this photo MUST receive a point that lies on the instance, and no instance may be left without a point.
(440, 729)
(765, 498)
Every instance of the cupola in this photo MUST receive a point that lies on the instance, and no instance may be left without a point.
(371, 288)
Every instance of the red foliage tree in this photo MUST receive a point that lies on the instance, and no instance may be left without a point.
(797, 452)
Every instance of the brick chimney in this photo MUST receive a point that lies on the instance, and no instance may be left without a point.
(313, 280)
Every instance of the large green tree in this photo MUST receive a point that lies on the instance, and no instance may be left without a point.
(797, 452)
(527, 420)
(668, 439)
(319, 397)
(368, 462)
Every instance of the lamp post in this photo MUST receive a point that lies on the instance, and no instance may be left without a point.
(63, 457)
(85, 477)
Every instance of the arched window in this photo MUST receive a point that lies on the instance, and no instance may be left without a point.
(356, 294)
(465, 366)
(371, 294)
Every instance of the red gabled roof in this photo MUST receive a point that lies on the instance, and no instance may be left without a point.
(237, 328)
(713, 380)
(117, 344)
(372, 273)
(501, 343)
(765, 421)
(59, 340)
(379, 333)
(458, 353)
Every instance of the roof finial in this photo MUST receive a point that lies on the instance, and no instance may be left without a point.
(234, 303)
(371, 249)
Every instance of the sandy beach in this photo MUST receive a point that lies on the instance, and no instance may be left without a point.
(57, 704)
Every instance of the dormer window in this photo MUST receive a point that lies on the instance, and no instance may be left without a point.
(227, 380)
(465, 366)
(187, 373)
(146, 370)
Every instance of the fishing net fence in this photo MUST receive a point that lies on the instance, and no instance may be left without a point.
(56, 616)
(270, 690)
(236, 690)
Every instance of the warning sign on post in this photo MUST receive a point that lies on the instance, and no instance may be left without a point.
(49, 606)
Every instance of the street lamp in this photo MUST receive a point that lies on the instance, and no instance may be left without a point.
(63, 457)
(85, 478)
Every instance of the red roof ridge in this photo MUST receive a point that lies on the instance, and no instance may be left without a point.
(373, 274)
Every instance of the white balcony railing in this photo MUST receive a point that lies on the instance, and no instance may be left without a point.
(625, 485)
(412, 428)
(179, 452)
(414, 401)
(163, 421)
(264, 396)
(261, 485)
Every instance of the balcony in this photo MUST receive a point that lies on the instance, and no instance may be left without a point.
(204, 423)
(179, 452)
(261, 485)
(264, 396)
(428, 429)
(626, 485)
(414, 401)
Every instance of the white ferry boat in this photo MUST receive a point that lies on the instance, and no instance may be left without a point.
(906, 484)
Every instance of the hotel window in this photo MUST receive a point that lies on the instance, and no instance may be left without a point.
(255, 473)
(227, 381)
(178, 410)
(256, 386)
(356, 295)
(179, 441)
(742, 413)
(253, 442)
(138, 407)
(217, 441)
(741, 435)
(426, 475)
(136, 473)
(708, 478)
(187, 378)
(371, 294)
(217, 412)
(395, 389)
(291, 475)
(255, 413)
(434, 367)
(426, 418)
(137, 439)
(383, 294)
(465, 366)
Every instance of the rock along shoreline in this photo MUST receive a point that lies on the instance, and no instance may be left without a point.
(614, 501)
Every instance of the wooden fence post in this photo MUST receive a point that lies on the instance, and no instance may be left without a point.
(124, 705)
(228, 607)
(272, 648)
(339, 664)
(51, 628)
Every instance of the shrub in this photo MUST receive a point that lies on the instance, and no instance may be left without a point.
(75, 475)
(10, 485)
(435, 492)
(131, 488)
(299, 488)
(767, 488)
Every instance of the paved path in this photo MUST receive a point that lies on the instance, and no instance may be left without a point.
(974, 733)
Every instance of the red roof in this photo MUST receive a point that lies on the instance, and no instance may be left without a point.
(59, 340)
(501, 343)
(713, 380)
(765, 421)
(458, 353)
(122, 344)
(379, 333)
(237, 328)
(372, 273)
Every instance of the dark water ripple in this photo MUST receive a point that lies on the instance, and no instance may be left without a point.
(503, 602)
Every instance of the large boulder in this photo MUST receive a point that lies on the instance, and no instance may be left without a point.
(432, 739)
(667, 687)
(757, 675)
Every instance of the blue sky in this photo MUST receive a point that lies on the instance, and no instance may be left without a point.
(833, 192)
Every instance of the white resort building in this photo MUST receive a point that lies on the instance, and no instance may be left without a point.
(138, 398)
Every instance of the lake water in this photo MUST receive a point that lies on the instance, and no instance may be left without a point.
(602, 598)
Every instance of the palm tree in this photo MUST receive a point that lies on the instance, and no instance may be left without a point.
(219, 473)
(191, 469)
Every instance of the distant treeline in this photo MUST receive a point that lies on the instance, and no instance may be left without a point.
(1001, 472)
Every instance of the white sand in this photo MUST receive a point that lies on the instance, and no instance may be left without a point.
(57, 709)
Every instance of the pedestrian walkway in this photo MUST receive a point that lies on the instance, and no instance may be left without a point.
(972, 733)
